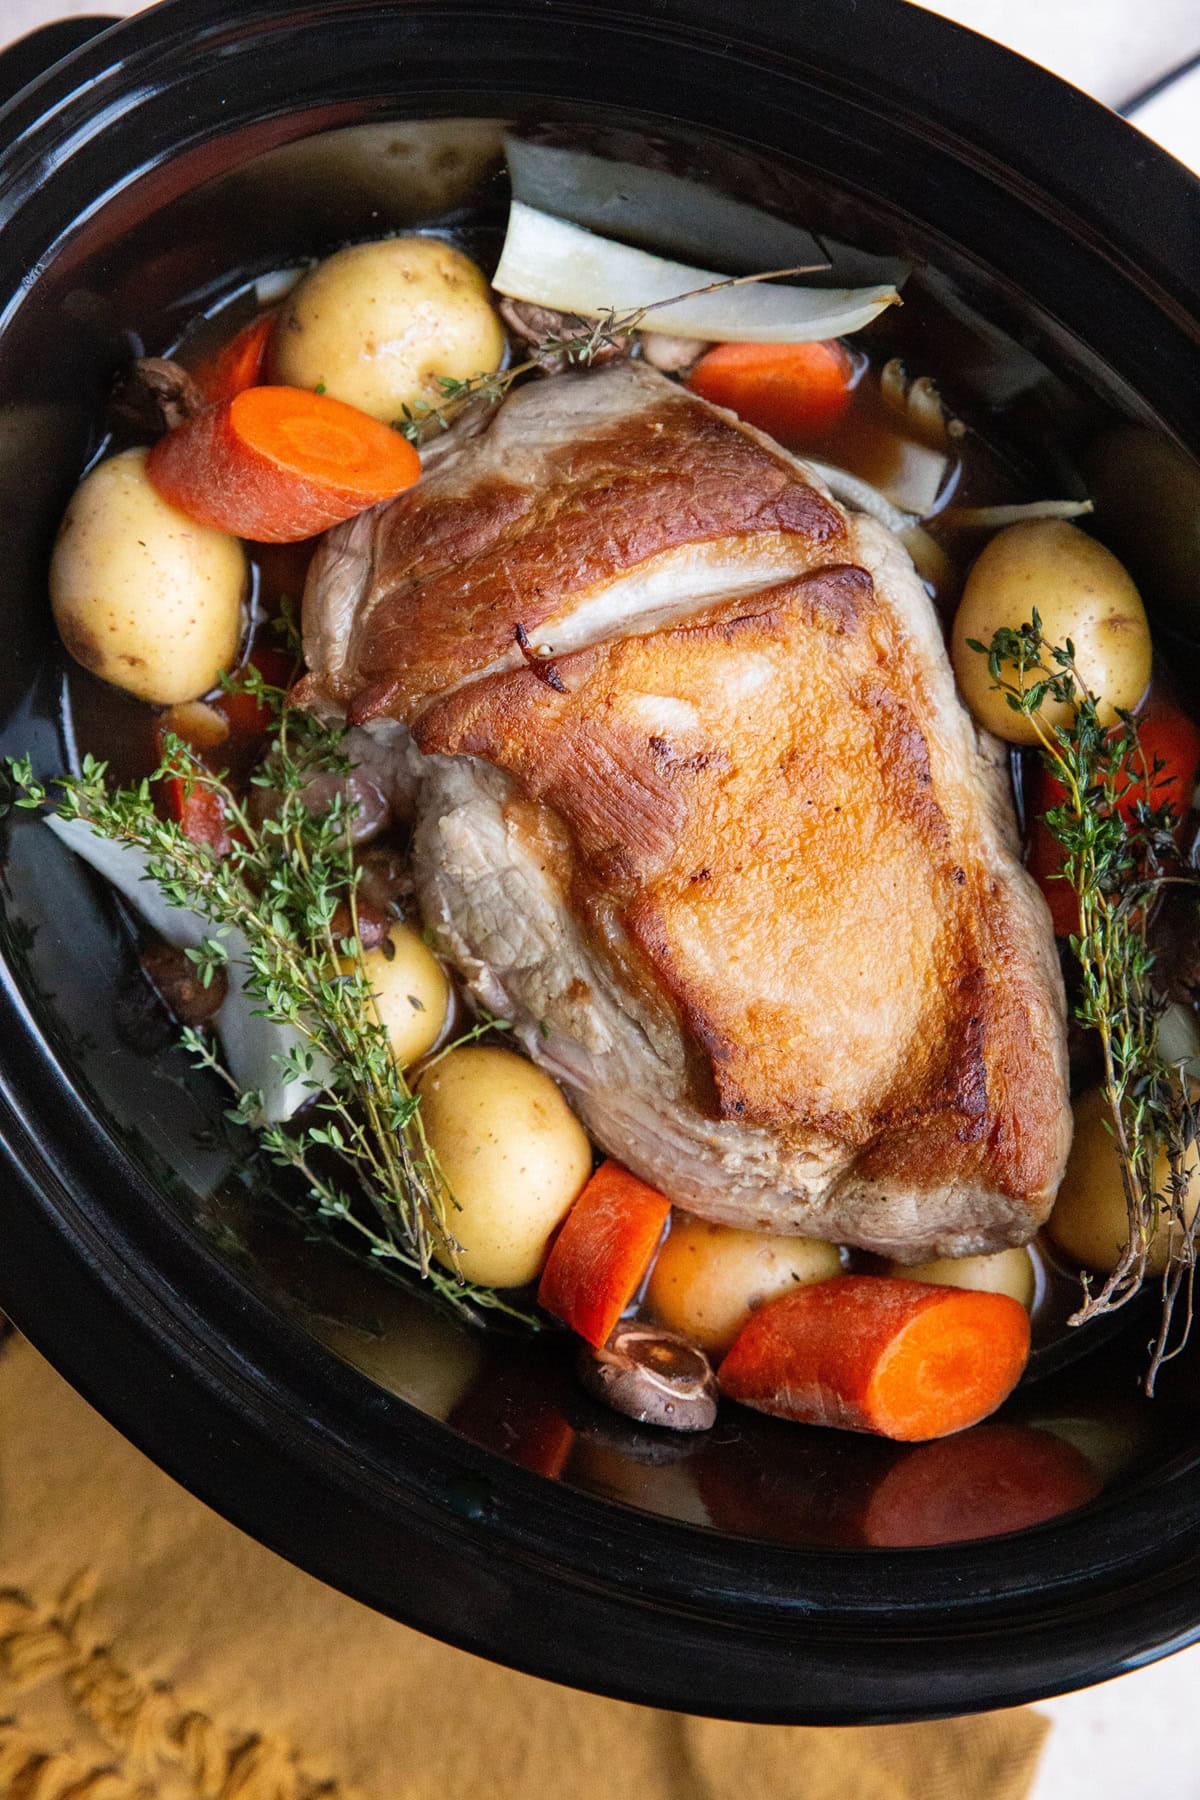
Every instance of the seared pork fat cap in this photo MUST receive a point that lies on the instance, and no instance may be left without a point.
(731, 856)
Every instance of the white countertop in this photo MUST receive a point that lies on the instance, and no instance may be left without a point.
(1138, 1736)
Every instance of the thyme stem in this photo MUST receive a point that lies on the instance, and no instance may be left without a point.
(578, 348)
(1118, 852)
(279, 885)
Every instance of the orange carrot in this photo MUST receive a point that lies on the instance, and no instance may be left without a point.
(1170, 739)
(278, 464)
(904, 1359)
(238, 364)
(200, 813)
(600, 1256)
(995, 1479)
(248, 716)
(784, 389)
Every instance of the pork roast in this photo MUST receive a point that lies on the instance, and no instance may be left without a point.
(699, 810)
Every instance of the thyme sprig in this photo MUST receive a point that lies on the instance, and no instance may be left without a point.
(579, 345)
(1118, 851)
(365, 1165)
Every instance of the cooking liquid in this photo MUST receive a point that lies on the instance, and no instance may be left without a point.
(869, 441)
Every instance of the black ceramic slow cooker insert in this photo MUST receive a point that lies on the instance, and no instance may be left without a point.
(349, 1426)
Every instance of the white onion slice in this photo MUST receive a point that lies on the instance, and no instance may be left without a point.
(852, 491)
(269, 289)
(1179, 1037)
(251, 1043)
(929, 559)
(992, 518)
(917, 477)
(649, 206)
(551, 263)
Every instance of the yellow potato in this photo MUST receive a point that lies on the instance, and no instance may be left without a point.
(514, 1155)
(1088, 1223)
(1081, 592)
(412, 994)
(708, 1279)
(376, 324)
(1006, 1272)
(142, 595)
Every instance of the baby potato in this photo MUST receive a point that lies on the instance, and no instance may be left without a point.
(142, 595)
(376, 324)
(514, 1155)
(1081, 592)
(1088, 1223)
(412, 993)
(1005, 1272)
(708, 1279)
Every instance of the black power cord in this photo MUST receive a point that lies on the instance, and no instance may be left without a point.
(1158, 86)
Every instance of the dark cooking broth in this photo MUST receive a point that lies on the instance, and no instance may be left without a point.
(749, 1476)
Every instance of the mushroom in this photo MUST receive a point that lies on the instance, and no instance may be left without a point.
(154, 395)
(176, 980)
(653, 1376)
(535, 326)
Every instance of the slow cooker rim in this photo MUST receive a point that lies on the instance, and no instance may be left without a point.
(60, 1342)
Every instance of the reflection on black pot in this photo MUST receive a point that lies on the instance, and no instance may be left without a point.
(977, 1484)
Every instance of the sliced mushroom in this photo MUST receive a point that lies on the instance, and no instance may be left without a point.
(386, 881)
(653, 1376)
(154, 395)
(176, 980)
(371, 814)
(533, 325)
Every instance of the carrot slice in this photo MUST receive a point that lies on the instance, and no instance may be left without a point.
(277, 464)
(870, 1353)
(247, 716)
(600, 1256)
(784, 389)
(994, 1479)
(1169, 738)
(238, 365)
(200, 814)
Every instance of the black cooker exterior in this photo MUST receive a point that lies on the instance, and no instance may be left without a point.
(229, 1396)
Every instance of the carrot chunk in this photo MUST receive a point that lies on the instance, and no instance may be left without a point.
(247, 715)
(1170, 743)
(199, 813)
(995, 1479)
(278, 464)
(238, 365)
(783, 389)
(600, 1256)
(901, 1358)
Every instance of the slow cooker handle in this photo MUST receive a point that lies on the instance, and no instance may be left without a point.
(39, 50)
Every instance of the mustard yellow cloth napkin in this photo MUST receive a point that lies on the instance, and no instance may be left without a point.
(148, 1649)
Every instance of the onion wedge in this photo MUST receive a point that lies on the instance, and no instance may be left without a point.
(677, 217)
(994, 518)
(253, 1044)
(550, 263)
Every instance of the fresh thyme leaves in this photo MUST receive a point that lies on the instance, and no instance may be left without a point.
(1118, 850)
(577, 346)
(364, 1164)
